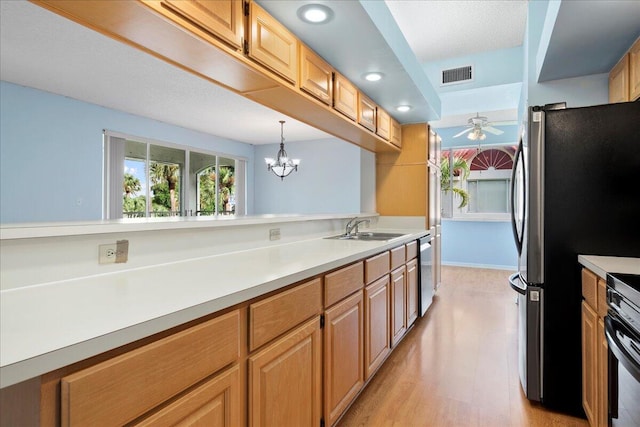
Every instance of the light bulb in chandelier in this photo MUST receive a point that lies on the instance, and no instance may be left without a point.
(282, 165)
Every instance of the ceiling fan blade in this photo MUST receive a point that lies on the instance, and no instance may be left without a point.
(462, 133)
(503, 123)
(492, 130)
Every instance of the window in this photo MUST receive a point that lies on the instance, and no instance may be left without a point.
(476, 182)
(152, 179)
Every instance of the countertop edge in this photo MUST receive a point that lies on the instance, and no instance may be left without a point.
(601, 265)
(15, 372)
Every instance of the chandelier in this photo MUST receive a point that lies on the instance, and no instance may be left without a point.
(476, 134)
(282, 166)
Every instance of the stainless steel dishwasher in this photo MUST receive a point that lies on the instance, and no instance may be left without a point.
(426, 274)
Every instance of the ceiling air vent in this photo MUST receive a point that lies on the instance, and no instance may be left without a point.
(457, 75)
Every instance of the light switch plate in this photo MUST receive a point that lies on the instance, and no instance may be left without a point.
(274, 234)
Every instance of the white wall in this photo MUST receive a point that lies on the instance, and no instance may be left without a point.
(51, 153)
(334, 176)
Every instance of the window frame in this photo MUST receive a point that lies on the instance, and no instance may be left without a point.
(113, 174)
(463, 214)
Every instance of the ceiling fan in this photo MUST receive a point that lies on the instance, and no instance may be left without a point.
(476, 127)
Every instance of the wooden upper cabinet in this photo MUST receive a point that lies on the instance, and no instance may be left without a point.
(634, 71)
(316, 75)
(396, 133)
(222, 18)
(271, 44)
(366, 112)
(345, 97)
(384, 124)
(619, 81)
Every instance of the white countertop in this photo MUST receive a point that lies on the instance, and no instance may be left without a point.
(601, 265)
(51, 325)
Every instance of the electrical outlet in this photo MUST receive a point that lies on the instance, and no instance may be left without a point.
(274, 234)
(107, 253)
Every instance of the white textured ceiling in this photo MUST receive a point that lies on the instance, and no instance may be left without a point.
(438, 29)
(45, 51)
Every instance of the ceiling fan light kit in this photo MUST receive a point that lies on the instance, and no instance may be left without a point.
(476, 128)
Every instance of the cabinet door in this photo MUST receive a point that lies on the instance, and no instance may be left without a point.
(376, 325)
(271, 44)
(619, 81)
(384, 124)
(634, 71)
(396, 133)
(398, 304)
(603, 376)
(589, 362)
(343, 355)
(366, 112)
(216, 403)
(412, 291)
(285, 380)
(316, 75)
(222, 18)
(345, 97)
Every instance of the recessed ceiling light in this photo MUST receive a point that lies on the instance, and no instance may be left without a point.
(403, 108)
(373, 77)
(315, 13)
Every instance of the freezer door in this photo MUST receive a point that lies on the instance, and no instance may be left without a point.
(530, 307)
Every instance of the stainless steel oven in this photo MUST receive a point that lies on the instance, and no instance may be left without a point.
(622, 329)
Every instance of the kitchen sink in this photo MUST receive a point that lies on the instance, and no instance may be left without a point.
(366, 236)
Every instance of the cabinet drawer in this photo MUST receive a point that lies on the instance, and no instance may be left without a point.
(120, 389)
(342, 283)
(397, 257)
(275, 315)
(214, 403)
(376, 266)
(412, 250)
(602, 298)
(589, 288)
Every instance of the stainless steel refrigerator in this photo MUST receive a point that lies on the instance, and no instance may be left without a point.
(575, 190)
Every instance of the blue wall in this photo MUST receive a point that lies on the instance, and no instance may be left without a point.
(328, 179)
(51, 153)
(478, 244)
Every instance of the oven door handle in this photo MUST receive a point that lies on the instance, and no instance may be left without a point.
(515, 282)
(622, 352)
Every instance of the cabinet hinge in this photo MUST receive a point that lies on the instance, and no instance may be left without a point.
(245, 46)
(246, 8)
(321, 422)
(322, 326)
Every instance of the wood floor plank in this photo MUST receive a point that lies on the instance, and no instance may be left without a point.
(458, 366)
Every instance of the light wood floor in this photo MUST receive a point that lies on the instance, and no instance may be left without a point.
(459, 364)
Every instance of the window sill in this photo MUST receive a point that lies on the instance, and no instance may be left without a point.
(480, 218)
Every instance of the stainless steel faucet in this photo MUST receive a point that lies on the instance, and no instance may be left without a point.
(353, 225)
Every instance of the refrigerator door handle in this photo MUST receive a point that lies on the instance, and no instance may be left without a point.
(514, 281)
(518, 234)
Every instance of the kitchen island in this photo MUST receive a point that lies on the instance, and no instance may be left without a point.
(52, 325)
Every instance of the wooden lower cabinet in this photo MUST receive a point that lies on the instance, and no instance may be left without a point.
(595, 351)
(412, 291)
(285, 380)
(376, 325)
(398, 305)
(343, 355)
(589, 362)
(216, 403)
